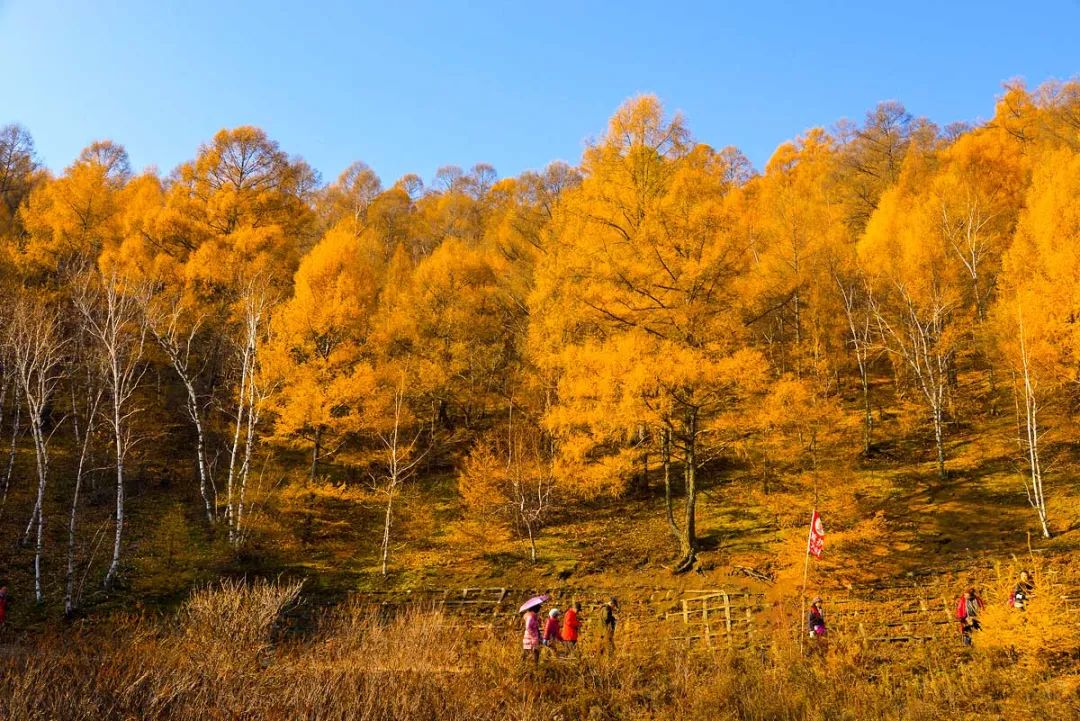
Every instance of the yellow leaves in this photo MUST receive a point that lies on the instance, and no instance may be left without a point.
(790, 421)
(351, 195)
(455, 321)
(337, 284)
(636, 312)
(1045, 246)
(788, 402)
(319, 335)
(1038, 636)
(905, 250)
(71, 219)
(639, 125)
(795, 222)
(478, 482)
(1039, 283)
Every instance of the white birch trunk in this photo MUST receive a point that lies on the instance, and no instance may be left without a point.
(1030, 437)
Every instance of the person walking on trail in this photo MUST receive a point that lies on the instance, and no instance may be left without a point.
(609, 621)
(530, 643)
(816, 619)
(1021, 595)
(571, 627)
(552, 636)
(967, 613)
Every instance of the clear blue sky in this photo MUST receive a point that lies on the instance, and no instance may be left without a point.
(410, 86)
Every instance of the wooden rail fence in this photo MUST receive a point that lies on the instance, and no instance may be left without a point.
(715, 617)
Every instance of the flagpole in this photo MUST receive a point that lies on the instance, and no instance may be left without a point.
(805, 574)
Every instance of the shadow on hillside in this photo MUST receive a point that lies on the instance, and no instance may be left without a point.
(964, 520)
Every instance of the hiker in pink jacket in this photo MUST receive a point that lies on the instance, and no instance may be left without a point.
(530, 644)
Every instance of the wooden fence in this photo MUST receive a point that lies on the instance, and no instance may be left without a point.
(719, 617)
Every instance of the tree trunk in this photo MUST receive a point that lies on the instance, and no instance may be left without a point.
(114, 565)
(939, 441)
(11, 453)
(1038, 500)
(386, 530)
(1031, 427)
(249, 443)
(688, 541)
(241, 406)
(868, 418)
(532, 542)
(38, 516)
(200, 448)
(69, 572)
(315, 454)
(666, 461)
(645, 474)
(39, 547)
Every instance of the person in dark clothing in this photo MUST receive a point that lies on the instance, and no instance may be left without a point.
(816, 619)
(967, 613)
(1022, 593)
(609, 621)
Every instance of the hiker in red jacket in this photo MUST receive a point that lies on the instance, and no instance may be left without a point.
(552, 636)
(571, 626)
(967, 613)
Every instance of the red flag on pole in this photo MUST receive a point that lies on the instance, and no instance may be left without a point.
(816, 543)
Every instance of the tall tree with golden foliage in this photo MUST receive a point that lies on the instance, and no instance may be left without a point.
(636, 311)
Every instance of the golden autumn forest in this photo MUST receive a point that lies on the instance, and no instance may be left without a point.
(636, 375)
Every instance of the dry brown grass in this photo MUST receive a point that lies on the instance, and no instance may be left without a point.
(225, 657)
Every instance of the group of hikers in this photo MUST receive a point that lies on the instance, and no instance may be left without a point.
(968, 608)
(970, 605)
(561, 631)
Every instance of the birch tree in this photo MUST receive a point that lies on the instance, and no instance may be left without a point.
(86, 400)
(916, 292)
(250, 394)
(114, 321)
(1034, 320)
(861, 339)
(396, 460)
(176, 328)
(36, 345)
(508, 477)
(1030, 431)
(18, 168)
(923, 337)
(978, 193)
(13, 446)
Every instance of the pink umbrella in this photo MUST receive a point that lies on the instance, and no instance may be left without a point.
(533, 603)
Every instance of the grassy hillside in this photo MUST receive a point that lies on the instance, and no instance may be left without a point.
(889, 520)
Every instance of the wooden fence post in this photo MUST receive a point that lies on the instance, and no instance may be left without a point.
(705, 620)
(727, 616)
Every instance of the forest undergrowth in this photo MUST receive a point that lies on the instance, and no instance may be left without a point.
(228, 655)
